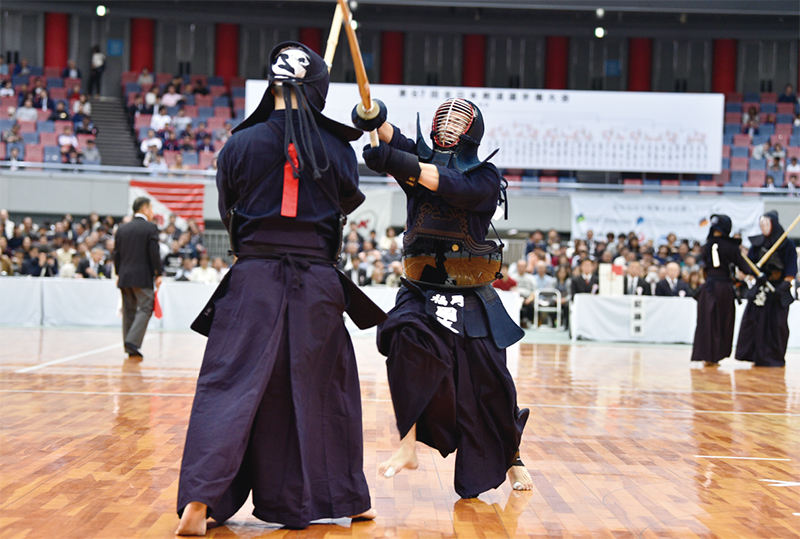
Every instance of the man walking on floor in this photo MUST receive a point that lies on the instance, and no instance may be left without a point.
(138, 264)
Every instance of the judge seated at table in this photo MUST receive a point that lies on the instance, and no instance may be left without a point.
(672, 285)
(635, 283)
(587, 282)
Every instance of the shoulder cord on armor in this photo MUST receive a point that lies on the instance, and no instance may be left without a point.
(503, 200)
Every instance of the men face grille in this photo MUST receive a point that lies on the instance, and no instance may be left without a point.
(453, 118)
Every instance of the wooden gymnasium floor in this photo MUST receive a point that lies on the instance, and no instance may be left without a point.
(623, 441)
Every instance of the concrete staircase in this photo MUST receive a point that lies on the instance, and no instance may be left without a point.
(116, 142)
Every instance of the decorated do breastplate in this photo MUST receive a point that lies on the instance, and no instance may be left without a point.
(439, 250)
(773, 264)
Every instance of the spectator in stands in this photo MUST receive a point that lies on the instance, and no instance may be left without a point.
(158, 165)
(22, 94)
(13, 158)
(75, 92)
(506, 282)
(26, 112)
(171, 98)
(586, 282)
(38, 87)
(6, 224)
(145, 78)
(152, 98)
(14, 134)
(82, 106)
(138, 107)
(183, 273)
(526, 287)
(751, 128)
(793, 166)
(22, 68)
(221, 267)
(791, 185)
(150, 155)
(223, 133)
(213, 165)
(535, 240)
(392, 254)
(91, 155)
(7, 90)
(769, 183)
(98, 63)
(204, 273)
(60, 112)
(205, 145)
(151, 140)
(160, 120)
(3, 67)
(541, 279)
(94, 266)
(86, 127)
(671, 284)
(67, 139)
(178, 163)
(777, 152)
(72, 157)
(750, 114)
(71, 71)
(174, 260)
(43, 101)
(777, 165)
(760, 151)
(70, 269)
(181, 121)
(39, 264)
(564, 286)
(694, 282)
(201, 132)
(788, 95)
(797, 119)
(187, 142)
(65, 251)
(172, 143)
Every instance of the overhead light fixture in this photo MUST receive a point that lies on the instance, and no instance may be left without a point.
(599, 32)
(101, 11)
(353, 5)
(600, 12)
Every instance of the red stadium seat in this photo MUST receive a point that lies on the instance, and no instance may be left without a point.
(205, 159)
(740, 163)
(238, 102)
(129, 76)
(769, 97)
(52, 71)
(785, 108)
(757, 176)
(163, 78)
(670, 183)
(143, 120)
(734, 97)
(131, 97)
(2, 150)
(83, 138)
(222, 112)
(722, 178)
(34, 153)
(746, 106)
(215, 122)
(43, 115)
(237, 82)
(8, 101)
(784, 130)
(199, 79)
(48, 139)
(191, 110)
(217, 91)
(726, 151)
(733, 117)
(27, 127)
(632, 181)
(61, 124)
(708, 183)
(741, 140)
(548, 179)
(203, 100)
(793, 151)
(70, 82)
(169, 156)
(779, 139)
(58, 93)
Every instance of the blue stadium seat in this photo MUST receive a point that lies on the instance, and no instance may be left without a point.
(740, 151)
(726, 163)
(530, 178)
(222, 101)
(55, 82)
(235, 122)
(704, 177)
(143, 133)
(46, 126)
(795, 140)
(189, 99)
(567, 179)
(751, 97)
(732, 129)
(693, 183)
(728, 190)
(760, 139)
(777, 178)
(215, 81)
(240, 114)
(766, 129)
(733, 107)
(132, 87)
(783, 119)
(738, 177)
(727, 139)
(190, 158)
(238, 92)
(758, 164)
(651, 182)
(173, 111)
(18, 145)
(19, 79)
(205, 112)
(52, 154)
(770, 108)
(6, 124)
(36, 71)
(30, 138)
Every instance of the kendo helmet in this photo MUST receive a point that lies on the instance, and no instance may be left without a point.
(456, 133)
(721, 223)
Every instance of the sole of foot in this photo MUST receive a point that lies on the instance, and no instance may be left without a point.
(193, 520)
(369, 514)
(520, 478)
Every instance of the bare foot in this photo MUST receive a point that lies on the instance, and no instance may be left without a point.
(369, 514)
(520, 478)
(193, 521)
(405, 457)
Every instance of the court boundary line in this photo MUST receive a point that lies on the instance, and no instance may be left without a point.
(70, 358)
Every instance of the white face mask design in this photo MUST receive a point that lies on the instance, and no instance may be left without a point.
(290, 64)
(766, 225)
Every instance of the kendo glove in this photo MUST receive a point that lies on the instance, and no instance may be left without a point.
(402, 165)
(369, 124)
(784, 291)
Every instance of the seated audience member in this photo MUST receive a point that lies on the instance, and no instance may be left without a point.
(178, 163)
(205, 145)
(201, 132)
(694, 283)
(564, 287)
(72, 157)
(204, 273)
(157, 165)
(60, 112)
(777, 152)
(172, 97)
(145, 78)
(793, 166)
(75, 92)
(65, 251)
(150, 156)
(70, 269)
(26, 113)
(13, 159)
(160, 119)
(183, 273)
(349, 260)
(769, 183)
(38, 87)
(71, 71)
(39, 264)
(3, 66)
(634, 283)
(82, 106)
(91, 155)
(187, 143)
(14, 134)
(526, 287)
(7, 90)
(506, 282)
(86, 127)
(750, 114)
(392, 254)
(93, 267)
(777, 165)
(671, 284)
(174, 260)
(172, 143)
(212, 165)
(67, 139)
(152, 98)
(43, 101)
(221, 267)
(223, 133)
(791, 185)
(181, 121)
(395, 273)
(138, 107)
(788, 95)
(540, 278)
(378, 273)
(151, 140)
(586, 282)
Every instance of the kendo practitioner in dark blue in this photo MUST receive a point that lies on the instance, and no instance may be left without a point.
(764, 331)
(278, 405)
(716, 308)
(445, 339)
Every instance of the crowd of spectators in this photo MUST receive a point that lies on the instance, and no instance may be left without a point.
(75, 249)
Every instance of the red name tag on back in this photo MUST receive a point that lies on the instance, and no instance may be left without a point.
(291, 186)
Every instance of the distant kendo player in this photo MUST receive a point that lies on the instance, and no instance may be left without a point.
(716, 308)
(764, 331)
(446, 337)
(278, 405)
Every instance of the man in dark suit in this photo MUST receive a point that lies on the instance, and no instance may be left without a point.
(137, 261)
(587, 282)
(635, 283)
(71, 71)
(671, 285)
(93, 267)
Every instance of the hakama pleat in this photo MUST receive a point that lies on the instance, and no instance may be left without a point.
(764, 333)
(716, 318)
